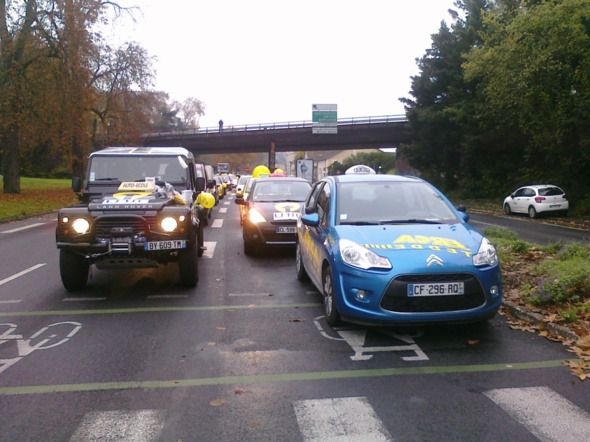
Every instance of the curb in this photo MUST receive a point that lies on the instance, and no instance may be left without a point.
(537, 319)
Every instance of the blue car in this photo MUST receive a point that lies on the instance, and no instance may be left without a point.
(392, 250)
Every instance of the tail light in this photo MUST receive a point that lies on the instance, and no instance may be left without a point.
(539, 199)
(564, 197)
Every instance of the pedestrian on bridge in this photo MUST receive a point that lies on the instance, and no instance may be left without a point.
(220, 125)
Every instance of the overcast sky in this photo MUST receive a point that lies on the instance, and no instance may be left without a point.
(261, 61)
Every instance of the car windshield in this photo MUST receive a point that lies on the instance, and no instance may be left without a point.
(391, 202)
(280, 190)
(119, 168)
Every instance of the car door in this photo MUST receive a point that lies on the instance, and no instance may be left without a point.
(520, 200)
(307, 245)
(318, 234)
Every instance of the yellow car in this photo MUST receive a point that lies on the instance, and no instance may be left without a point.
(244, 196)
(241, 184)
(220, 186)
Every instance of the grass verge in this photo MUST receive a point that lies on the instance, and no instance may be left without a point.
(38, 195)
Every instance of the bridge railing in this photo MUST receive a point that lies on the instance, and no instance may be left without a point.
(285, 125)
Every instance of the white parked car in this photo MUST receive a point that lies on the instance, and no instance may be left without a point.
(537, 199)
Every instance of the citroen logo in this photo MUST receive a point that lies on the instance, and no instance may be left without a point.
(434, 260)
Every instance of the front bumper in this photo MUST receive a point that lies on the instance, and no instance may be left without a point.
(268, 234)
(380, 298)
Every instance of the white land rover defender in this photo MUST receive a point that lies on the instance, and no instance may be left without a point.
(138, 208)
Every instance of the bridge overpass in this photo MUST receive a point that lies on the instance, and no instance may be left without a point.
(353, 133)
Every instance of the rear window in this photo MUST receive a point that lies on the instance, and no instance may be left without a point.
(550, 191)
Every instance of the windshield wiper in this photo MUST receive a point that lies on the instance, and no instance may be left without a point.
(409, 221)
(106, 179)
(358, 223)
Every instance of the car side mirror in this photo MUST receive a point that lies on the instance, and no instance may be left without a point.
(200, 184)
(311, 220)
(76, 184)
(463, 213)
(240, 200)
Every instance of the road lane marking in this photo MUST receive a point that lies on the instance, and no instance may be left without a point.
(223, 210)
(218, 223)
(139, 425)
(83, 299)
(30, 226)
(281, 377)
(10, 301)
(24, 272)
(342, 419)
(158, 310)
(543, 412)
(209, 248)
(237, 295)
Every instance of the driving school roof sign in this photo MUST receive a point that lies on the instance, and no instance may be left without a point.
(324, 118)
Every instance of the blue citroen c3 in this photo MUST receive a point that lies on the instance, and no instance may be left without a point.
(393, 250)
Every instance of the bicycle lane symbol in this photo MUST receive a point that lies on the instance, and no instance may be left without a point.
(48, 337)
(356, 336)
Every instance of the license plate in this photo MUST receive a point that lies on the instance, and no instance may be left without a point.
(165, 245)
(286, 229)
(436, 289)
(553, 206)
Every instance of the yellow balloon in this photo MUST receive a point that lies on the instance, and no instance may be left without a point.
(277, 171)
(206, 200)
(260, 172)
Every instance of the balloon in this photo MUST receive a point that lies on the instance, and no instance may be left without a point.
(260, 171)
(206, 200)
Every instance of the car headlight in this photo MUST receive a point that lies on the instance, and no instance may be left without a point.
(486, 255)
(255, 216)
(81, 226)
(358, 256)
(169, 224)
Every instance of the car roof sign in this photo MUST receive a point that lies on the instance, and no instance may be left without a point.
(360, 169)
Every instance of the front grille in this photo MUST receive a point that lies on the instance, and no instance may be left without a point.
(396, 297)
(138, 224)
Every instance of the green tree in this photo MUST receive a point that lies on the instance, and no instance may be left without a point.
(534, 69)
(442, 100)
(40, 39)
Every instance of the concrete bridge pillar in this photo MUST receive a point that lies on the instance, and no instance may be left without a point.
(272, 157)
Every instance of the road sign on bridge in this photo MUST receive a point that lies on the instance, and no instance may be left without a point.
(324, 118)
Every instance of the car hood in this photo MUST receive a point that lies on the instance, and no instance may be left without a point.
(132, 201)
(455, 243)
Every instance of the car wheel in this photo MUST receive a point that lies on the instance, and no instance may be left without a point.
(330, 309)
(73, 269)
(301, 273)
(532, 212)
(188, 269)
(507, 210)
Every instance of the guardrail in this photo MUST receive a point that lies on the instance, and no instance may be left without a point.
(286, 125)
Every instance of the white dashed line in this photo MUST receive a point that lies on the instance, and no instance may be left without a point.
(24, 272)
(30, 226)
